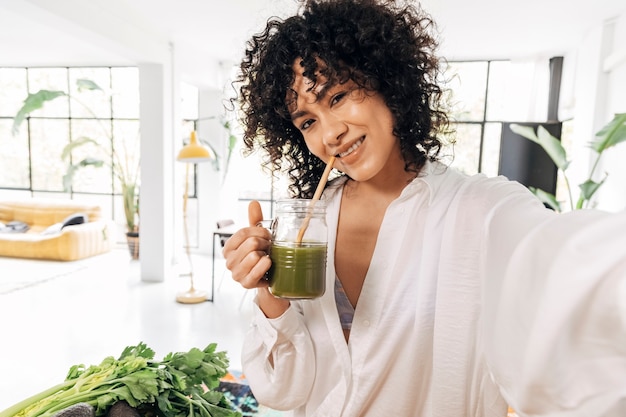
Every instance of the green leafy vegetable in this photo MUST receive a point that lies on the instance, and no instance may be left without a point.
(181, 385)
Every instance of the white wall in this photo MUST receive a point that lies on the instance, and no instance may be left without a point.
(612, 196)
(591, 93)
(156, 207)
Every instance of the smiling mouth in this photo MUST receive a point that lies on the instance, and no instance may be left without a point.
(352, 148)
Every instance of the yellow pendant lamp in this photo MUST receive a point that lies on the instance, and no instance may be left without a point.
(193, 152)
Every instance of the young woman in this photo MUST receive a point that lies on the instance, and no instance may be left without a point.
(463, 294)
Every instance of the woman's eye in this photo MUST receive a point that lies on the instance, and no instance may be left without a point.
(337, 98)
(306, 124)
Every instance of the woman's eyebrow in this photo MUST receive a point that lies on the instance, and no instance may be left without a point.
(296, 114)
(319, 90)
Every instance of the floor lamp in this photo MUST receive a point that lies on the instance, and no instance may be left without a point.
(190, 154)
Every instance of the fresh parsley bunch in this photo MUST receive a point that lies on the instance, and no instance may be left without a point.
(181, 385)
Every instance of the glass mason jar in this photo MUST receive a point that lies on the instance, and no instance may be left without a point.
(298, 268)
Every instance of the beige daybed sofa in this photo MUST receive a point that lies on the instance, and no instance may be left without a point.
(69, 243)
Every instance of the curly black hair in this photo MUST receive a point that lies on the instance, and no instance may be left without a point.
(382, 45)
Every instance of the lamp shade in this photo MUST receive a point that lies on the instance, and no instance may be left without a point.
(193, 152)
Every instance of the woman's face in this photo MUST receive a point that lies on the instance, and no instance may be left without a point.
(349, 122)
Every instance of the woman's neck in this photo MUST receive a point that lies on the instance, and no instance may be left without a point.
(387, 185)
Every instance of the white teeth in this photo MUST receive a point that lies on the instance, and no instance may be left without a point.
(352, 148)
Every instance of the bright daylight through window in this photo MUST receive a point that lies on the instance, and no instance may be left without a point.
(480, 95)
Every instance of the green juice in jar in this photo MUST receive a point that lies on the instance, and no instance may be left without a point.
(298, 270)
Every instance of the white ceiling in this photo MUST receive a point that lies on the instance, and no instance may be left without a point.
(207, 32)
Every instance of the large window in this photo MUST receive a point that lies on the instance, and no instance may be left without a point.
(31, 158)
(483, 94)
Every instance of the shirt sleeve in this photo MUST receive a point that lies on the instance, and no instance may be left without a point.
(278, 359)
(555, 313)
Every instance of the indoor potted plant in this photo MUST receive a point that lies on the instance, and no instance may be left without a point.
(125, 169)
(613, 133)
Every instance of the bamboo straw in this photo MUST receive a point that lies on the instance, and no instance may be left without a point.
(316, 197)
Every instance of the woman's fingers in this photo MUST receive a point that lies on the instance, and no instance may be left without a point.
(252, 271)
(255, 214)
(248, 239)
(246, 256)
(246, 251)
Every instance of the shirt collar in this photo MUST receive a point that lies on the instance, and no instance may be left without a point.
(429, 181)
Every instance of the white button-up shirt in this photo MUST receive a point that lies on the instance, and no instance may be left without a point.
(476, 297)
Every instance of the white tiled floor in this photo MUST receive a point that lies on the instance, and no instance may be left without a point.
(97, 311)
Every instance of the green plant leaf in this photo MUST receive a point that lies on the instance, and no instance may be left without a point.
(232, 142)
(84, 84)
(589, 188)
(81, 141)
(547, 198)
(68, 178)
(31, 103)
(141, 350)
(131, 205)
(549, 143)
(553, 147)
(91, 162)
(611, 134)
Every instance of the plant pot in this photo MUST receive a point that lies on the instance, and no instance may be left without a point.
(132, 238)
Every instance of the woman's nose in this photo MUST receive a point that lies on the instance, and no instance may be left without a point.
(334, 130)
